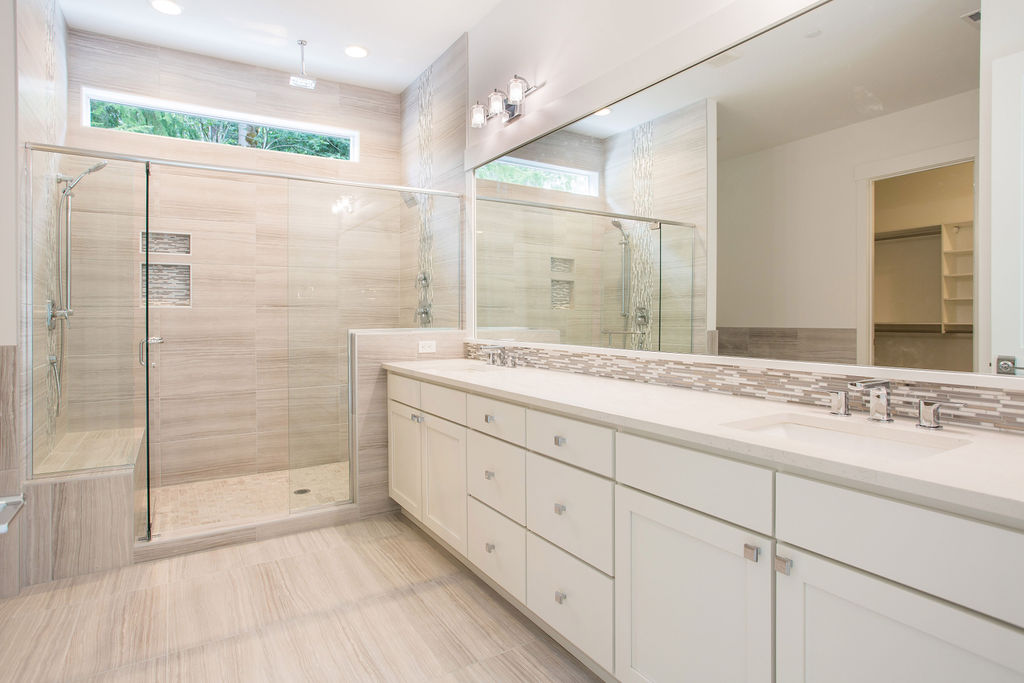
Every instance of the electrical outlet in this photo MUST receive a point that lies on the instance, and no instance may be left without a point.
(428, 346)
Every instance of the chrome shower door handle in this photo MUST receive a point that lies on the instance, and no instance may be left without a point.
(142, 348)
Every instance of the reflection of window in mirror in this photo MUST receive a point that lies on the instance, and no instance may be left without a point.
(923, 280)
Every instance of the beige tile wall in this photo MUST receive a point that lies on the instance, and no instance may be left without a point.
(433, 148)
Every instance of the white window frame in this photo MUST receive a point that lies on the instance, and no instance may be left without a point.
(131, 100)
(593, 177)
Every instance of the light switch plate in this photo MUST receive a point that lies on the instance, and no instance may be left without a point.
(428, 346)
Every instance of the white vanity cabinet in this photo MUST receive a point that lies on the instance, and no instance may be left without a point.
(405, 456)
(444, 480)
(835, 624)
(661, 562)
(427, 462)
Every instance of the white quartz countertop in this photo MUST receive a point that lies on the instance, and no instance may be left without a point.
(982, 477)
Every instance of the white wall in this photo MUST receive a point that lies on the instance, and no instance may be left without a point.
(782, 209)
(593, 52)
(8, 176)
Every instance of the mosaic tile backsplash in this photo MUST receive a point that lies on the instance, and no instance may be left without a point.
(986, 408)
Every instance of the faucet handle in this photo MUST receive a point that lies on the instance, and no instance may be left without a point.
(929, 412)
(839, 403)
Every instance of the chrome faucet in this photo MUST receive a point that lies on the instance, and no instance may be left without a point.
(839, 403)
(879, 405)
(928, 412)
(500, 355)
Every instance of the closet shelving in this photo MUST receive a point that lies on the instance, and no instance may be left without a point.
(958, 277)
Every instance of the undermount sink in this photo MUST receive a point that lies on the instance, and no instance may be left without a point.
(851, 435)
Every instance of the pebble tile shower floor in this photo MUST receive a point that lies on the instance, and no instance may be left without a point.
(369, 601)
(253, 497)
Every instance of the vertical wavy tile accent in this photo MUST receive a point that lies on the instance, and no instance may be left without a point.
(425, 131)
(642, 238)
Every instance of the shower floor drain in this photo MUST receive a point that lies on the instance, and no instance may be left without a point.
(300, 491)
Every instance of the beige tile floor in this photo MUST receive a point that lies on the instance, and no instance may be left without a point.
(369, 601)
(236, 500)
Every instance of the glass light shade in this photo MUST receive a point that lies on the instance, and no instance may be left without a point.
(516, 90)
(477, 116)
(496, 102)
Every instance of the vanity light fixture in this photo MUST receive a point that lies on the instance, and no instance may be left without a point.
(478, 116)
(507, 105)
(168, 7)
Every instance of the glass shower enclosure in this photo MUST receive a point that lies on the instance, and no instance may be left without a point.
(192, 322)
(562, 274)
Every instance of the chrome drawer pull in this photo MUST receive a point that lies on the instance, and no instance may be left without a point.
(488, 474)
(489, 547)
(751, 552)
(559, 440)
(559, 509)
(783, 565)
(490, 419)
(416, 418)
(560, 597)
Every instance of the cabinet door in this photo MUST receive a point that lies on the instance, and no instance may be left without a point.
(444, 480)
(835, 624)
(405, 477)
(690, 604)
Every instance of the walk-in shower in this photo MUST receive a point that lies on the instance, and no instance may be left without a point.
(59, 309)
(553, 273)
(252, 280)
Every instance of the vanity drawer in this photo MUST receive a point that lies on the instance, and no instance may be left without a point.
(497, 545)
(733, 491)
(575, 599)
(970, 563)
(572, 509)
(497, 475)
(497, 418)
(443, 402)
(577, 443)
(403, 390)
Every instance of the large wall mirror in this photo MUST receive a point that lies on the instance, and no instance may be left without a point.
(806, 195)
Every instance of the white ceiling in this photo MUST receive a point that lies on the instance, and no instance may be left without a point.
(403, 36)
(845, 62)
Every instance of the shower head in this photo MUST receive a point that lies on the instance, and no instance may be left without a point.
(92, 169)
(618, 224)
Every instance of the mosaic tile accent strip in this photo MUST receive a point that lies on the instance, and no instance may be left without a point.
(562, 265)
(561, 294)
(166, 243)
(171, 284)
(986, 408)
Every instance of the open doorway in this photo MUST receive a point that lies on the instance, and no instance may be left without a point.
(923, 279)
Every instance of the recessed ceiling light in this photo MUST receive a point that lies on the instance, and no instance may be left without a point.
(356, 51)
(167, 7)
(603, 112)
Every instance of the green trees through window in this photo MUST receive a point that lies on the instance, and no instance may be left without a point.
(174, 124)
(539, 175)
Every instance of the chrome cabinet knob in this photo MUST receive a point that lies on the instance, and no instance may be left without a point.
(488, 474)
(416, 418)
(751, 552)
(560, 597)
(489, 547)
(783, 565)
(559, 440)
(490, 419)
(559, 509)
